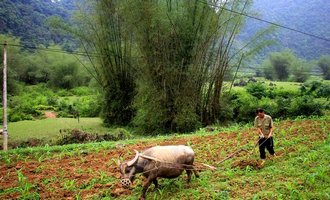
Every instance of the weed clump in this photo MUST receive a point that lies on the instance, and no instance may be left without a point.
(78, 136)
(31, 142)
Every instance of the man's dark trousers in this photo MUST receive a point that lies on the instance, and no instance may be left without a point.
(266, 143)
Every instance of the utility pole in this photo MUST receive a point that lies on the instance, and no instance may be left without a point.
(4, 98)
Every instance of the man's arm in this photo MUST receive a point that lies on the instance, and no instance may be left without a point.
(261, 134)
(270, 128)
(270, 132)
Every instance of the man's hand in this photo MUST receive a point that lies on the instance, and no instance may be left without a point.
(262, 135)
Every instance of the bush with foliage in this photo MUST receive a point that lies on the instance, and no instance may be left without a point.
(300, 71)
(323, 91)
(280, 92)
(257, 89)
(305, 106)
(240, 106)
(315, 89)
(88, 106)
(283, 107)
(284, 66)
(75, 136)
(82, 91)
(324, 65)
(35, 67)
(35, 100)
(244, 107)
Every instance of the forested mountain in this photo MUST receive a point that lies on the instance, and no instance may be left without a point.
(27, 19)
(308, 16)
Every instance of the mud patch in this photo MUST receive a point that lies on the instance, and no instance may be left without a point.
(119, 191)
(242, 164)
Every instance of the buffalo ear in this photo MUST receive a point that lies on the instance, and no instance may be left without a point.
(132, 162)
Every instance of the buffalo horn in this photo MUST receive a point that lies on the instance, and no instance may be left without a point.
(132, 162)
(118, 163)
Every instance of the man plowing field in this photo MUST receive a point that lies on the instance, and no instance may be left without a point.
(264, 125)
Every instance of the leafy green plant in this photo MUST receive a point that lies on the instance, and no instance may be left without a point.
(305, 106)
(257, 89)
(69, 185)
(24, 187)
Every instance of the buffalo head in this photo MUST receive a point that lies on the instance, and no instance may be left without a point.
(128, 170)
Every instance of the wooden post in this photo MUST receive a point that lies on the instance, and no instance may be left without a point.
(4, 98)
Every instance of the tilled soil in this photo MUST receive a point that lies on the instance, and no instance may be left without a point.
(95, 174)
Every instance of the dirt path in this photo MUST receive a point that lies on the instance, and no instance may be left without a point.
(50, 114)
(95, 173)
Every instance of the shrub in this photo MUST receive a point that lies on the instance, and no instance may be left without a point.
(81, 91)
(14, 117)
(310, 88)
(44, 107)
(268, 105)
(284, 93)
(120, 134)
(88, 106)
(77, 136)
(324, 65)
(52, 100)
(31, 142)
(64, 93)
(186, 119)
(257, 89)
(283, 107)
(226, 108)
(305, 106)
(244, 107)
(323, 91)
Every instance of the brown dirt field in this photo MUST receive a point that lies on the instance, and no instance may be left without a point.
(52, 175)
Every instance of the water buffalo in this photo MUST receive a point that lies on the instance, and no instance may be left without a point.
(158, 161)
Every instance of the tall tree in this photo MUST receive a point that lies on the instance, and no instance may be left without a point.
(324, 65)
(186, 48)
(280, 64)
(171, 36)
(219, 59)
(177, 52)
(101, 30)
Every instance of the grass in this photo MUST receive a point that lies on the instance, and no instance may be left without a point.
(49, 128)
(288, 86)
(301, 171)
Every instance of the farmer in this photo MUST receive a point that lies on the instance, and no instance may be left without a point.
(264, 125)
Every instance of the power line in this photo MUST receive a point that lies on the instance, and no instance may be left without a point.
(268, 22)
(89, 54)
(56, 50)
(97, 55)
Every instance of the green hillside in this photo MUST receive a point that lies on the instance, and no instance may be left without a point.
(307, 16)
(28, 20)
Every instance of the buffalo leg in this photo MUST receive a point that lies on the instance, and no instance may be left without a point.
(189, 172)
(145, 188)
(155, 183)
(196, 173)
